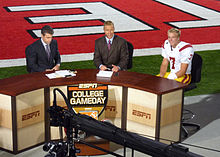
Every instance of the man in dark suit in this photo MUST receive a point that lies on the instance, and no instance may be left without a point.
(111, 51)
(43, 54)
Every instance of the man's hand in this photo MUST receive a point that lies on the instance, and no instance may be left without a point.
(49, 70)
(103, 68)
(172, 76)
(115, 68)
(57, 67)
(161, 75)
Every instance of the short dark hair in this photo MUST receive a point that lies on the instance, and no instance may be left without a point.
(47, 29)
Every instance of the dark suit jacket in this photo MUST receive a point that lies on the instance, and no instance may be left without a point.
(117, 55)
(36, 56)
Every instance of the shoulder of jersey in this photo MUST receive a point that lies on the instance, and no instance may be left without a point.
(183, 45)
(165, 44)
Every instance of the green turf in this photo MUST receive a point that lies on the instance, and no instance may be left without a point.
(209, 84)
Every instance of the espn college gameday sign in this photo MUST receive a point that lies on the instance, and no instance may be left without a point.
(88, 98)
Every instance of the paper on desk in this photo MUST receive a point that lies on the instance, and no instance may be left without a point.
(60, 73)
(104, 73)
(64, 73)
(51, 75)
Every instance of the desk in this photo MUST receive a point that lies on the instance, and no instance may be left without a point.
(137, 102)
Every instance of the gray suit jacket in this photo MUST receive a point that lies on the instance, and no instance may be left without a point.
(36, 56)
(117, 55)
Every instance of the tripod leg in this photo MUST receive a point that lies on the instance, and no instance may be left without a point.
(72, 149)
(132, 152)
(61, 132)
(124, 151)
(70, 143)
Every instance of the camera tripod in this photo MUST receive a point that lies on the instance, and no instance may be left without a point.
(67, 148)
(63, 148)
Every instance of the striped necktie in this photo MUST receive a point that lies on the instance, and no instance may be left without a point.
(48, 51)
(109, 44)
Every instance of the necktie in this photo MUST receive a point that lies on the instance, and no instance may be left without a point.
(48, 51)
(109, 44)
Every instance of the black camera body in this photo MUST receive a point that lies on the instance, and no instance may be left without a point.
(73, 122)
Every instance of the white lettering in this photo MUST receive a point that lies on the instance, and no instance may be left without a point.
(82, 101)
(88, 85)
(98, 93)
(72, 101)
(122, 21)
(209, 17)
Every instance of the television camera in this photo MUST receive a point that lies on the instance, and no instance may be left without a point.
(73, 122)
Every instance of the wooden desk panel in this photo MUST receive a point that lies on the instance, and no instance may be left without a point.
(128, 91)
(6, 122)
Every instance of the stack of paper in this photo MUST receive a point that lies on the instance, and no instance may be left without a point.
(60, 73)
(104, 73)
(64, 73)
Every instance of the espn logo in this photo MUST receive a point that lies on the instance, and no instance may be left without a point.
(141, 114)
(31, 115)
(110, 108)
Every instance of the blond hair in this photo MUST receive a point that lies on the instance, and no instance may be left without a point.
(108, 23)
(174, 30)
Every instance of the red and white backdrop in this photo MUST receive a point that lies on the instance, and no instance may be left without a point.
(77, 23)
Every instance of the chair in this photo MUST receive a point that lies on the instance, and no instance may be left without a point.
(196, 77)
(130, 51)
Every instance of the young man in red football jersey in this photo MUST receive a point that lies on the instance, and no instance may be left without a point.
(179, 55)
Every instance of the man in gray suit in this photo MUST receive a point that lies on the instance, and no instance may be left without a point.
(111, 51)
(43, 54)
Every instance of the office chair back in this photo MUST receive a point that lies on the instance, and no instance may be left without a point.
(196, 68)
(196, 77)
(195, 72)
(130, 51)
(28, 69)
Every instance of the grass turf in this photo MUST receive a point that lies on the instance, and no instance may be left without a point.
(209, 84)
